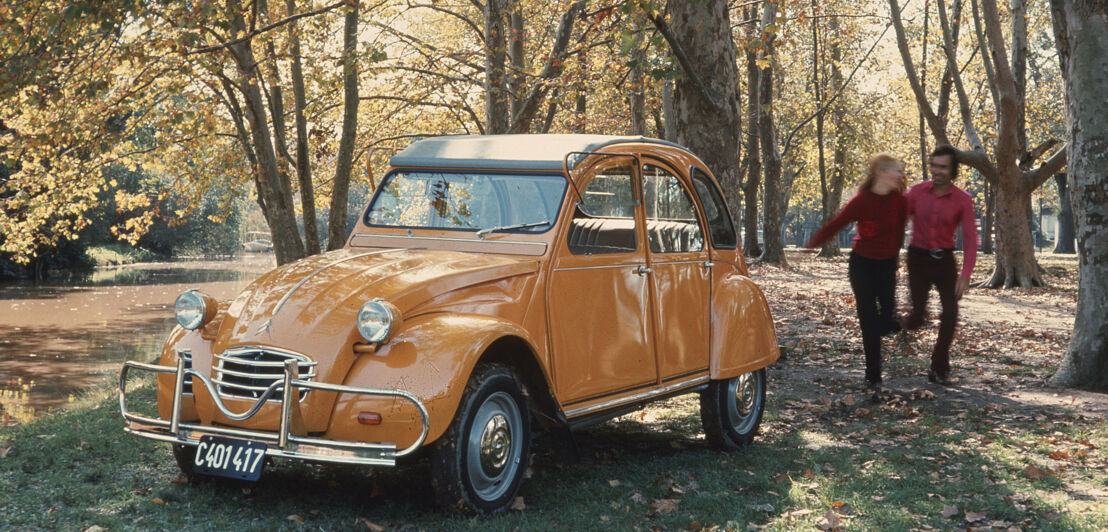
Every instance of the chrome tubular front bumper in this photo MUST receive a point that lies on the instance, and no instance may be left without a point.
(281, 444)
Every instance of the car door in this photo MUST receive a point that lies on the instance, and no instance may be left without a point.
(598, 296)
(681, 276)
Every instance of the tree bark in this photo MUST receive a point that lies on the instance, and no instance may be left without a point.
(773, 251)
(1082, 27)
(834, 190)
(340, 188)
(1063, 241)
(702, 33)
(303, 152)
(987, 225)
(497, 98)
(753, 182)
(515, 57)
(636, 97)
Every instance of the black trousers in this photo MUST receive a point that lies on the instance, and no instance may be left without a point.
(874, 285)
(941, 271)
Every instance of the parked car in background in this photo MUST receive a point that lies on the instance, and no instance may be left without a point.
(493, 284)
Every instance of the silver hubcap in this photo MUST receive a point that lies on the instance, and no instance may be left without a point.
(496, 441)
(492, 450)
(742, 409)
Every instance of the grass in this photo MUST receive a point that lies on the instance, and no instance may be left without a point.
(893, 467)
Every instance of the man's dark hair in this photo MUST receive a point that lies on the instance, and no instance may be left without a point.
(947, 149)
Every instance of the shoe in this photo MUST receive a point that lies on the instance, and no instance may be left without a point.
(938, 377)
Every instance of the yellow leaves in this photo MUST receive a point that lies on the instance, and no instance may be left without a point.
(127, 201)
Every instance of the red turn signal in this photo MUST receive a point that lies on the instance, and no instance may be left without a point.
(369, 418)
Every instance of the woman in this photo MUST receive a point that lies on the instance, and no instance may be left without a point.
(880, 209)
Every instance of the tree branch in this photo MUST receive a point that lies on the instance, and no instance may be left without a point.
(555, 63)
(1051, 166)
(256, 32)
(952, 67)
(839, 91)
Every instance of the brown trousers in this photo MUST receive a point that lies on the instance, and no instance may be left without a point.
(938, 269)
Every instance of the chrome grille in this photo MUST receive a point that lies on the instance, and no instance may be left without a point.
(186, 385)
(248, 371)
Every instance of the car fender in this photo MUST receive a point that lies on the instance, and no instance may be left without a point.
(743, 338)
(431, 357)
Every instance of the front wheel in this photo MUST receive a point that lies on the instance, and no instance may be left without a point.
(731, 409)
(478, 464)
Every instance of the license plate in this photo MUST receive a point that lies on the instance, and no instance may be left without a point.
(228, 457)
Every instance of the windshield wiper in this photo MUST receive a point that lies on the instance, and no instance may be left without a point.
(483, 232)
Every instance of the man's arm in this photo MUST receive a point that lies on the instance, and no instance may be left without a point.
(969, 245)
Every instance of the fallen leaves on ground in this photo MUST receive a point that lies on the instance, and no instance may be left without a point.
(370, 525)
(665, 505)
(518, 504)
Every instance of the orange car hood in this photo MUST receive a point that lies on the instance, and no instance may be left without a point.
(314, 301)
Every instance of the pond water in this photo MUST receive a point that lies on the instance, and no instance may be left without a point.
(57, 340)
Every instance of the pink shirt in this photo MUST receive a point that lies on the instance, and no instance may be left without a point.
(936, 216)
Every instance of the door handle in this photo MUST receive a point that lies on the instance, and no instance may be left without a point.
(708, 265)
(643, 270)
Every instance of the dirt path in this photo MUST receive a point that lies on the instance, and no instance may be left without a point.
(1007, 345)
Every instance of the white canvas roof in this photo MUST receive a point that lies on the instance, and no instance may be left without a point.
(520, 152)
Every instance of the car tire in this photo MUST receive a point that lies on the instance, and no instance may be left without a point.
(185, 456)
(479, 463)
(731, 409)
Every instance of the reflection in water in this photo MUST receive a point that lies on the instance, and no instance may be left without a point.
(58, 340)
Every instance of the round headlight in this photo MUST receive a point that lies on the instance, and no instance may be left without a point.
(376, 320)
(194, 309)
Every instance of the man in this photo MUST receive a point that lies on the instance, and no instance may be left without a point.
(937, 208)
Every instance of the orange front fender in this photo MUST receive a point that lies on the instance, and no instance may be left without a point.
(431, 358)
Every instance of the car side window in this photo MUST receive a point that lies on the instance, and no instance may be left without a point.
(720, 227)
(671, 223)
(604, 221)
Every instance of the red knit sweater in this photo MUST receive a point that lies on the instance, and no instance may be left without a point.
(881, 221)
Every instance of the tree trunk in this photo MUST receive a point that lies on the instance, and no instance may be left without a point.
(279, 212)
(516, 58)
(580, 106)
(340, 189)
(1015, 250)
(636, 98)
(706, 100)
(833, 190)
(1082, 29)
(303, 152)
(753, 183)
(987, 226)
(1063, 241)
(773, 250)
(497, 100)
(667, 109)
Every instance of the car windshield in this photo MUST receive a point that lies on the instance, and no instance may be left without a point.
(467, 201)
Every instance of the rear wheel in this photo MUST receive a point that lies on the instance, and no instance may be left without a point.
(478, 464)
(731, 409)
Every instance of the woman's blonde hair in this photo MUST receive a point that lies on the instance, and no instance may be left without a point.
(876, 162)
